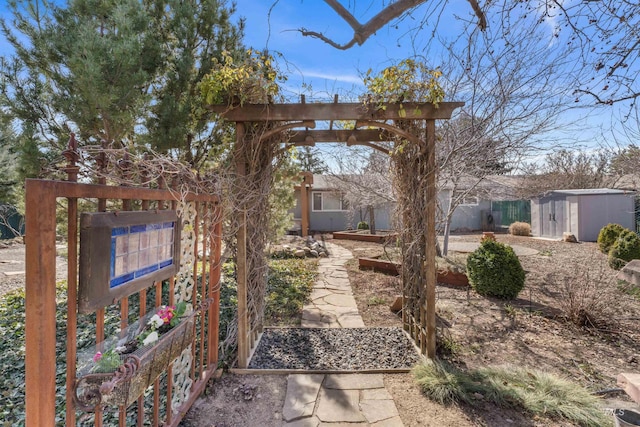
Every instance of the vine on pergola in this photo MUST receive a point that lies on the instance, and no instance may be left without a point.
(413, 170)
(256, 156)
(403, 101)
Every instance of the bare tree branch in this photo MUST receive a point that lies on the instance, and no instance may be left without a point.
(363, 31)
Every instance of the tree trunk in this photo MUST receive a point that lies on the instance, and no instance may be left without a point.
(372, 221)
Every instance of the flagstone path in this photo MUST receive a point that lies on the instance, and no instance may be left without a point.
(317, 400)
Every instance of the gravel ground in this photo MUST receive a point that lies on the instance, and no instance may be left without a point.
(350, 349)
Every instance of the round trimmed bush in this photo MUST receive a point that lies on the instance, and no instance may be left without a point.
(362, 225)
(625, 248)
(495, 270)
(608, 236)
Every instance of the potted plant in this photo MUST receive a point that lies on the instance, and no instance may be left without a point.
(117, 371)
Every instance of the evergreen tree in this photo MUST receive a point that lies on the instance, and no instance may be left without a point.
(201, 31)
(310, 161)
(121, 71)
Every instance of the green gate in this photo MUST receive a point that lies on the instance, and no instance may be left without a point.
(513, 211)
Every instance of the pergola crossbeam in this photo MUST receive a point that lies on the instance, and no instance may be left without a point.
(331, 111)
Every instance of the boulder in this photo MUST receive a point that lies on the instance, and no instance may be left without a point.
(630, 273)
(569, 237)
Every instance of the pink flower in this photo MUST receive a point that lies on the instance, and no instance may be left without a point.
(97, 356)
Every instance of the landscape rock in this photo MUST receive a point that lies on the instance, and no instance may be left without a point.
(569, 237)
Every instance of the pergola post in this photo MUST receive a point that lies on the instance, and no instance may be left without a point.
(241, 263)
(430, 239)
(304, 200)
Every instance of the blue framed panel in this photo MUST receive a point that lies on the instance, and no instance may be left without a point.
(124, 252)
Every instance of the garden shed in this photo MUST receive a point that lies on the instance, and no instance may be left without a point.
(581, 212)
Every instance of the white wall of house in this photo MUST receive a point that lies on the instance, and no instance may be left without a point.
(467, 215)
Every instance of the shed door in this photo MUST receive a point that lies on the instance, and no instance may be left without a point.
(552, 218)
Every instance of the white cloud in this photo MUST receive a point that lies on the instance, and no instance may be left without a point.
(345, 78)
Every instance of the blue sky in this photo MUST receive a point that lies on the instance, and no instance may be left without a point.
(313, 62)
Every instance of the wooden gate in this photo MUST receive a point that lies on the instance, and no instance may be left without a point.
(52, 351)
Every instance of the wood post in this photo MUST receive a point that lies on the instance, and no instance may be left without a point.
(430, 239)
(40, 323)
(304, 199)
(241, 262)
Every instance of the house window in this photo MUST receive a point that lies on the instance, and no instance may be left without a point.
(328, 202)
(467, 199)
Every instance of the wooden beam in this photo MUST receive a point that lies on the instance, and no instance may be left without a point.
(331, 111)
(363, 135)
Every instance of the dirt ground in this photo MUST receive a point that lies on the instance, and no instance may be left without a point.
(530, 331)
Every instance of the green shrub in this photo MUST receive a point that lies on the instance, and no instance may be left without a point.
(362, 225)
(608, 235)
(520, 229)
(495, 270)
(625, 248)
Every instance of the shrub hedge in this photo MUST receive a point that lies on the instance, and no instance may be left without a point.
(495, 270)
(608, 236)
(624, 249)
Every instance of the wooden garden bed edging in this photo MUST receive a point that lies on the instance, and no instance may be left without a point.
(390, 267)
(374, 238)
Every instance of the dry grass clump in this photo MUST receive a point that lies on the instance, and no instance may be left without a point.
(533, 391)
(520, 229)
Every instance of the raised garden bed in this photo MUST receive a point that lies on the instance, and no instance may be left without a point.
(365, 236)
(389, 267)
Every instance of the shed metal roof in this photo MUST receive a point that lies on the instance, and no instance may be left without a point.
(590, 192)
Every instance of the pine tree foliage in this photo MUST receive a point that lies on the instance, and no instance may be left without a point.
(121, 71)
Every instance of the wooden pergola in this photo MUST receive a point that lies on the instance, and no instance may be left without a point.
(296, 123)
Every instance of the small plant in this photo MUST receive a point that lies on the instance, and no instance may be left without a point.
(362, 225)
(108, 361)
(625, 248)
(376, 300)
(520, 229)
(495, 270)
(510, 311)
(608, 236)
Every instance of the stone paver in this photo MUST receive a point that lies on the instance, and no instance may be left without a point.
(302, 393)
(354, 381)
(378, 410)
(339, 406)
(336, 400)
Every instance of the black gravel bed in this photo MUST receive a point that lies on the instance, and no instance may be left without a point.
(348, 349)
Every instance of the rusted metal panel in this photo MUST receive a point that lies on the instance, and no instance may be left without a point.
(41, 298)
(97, 191)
